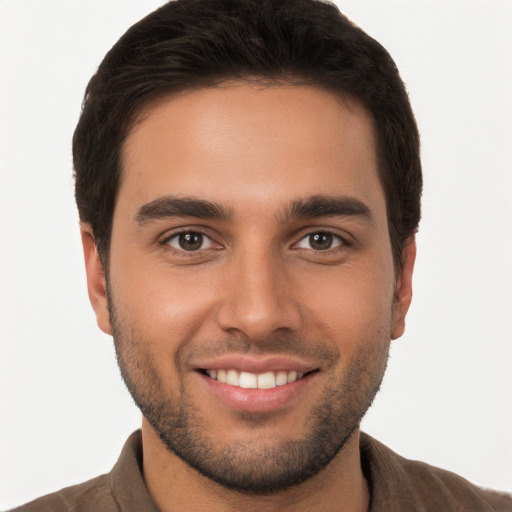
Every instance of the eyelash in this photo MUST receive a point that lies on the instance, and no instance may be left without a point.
(175, 236)
(343, 242)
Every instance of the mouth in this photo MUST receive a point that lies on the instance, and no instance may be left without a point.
(257, 384)
(248, 380)
(258, 392)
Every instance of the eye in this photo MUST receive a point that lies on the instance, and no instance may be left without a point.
(190, 241)
(320, 241)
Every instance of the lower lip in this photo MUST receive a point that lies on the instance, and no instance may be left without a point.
(257, 400)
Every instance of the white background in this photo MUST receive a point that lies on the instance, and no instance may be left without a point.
(447, 394)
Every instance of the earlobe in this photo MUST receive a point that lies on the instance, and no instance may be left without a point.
(96, 284)
(403, 294)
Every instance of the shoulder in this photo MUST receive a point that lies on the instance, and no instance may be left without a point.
(401, 484)
(121, 489)
(89, 496)
(441, 487)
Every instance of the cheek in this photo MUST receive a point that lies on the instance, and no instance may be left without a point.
(167, 308)
(354, 305)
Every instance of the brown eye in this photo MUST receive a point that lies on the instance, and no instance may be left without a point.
(320, 241)
(190, 241)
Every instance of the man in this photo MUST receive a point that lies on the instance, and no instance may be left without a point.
(248, 182)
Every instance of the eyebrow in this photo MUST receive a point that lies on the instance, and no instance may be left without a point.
(325, 206)
(172, 206)
(311, 207)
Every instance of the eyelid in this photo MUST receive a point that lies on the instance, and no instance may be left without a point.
(175, 234)
(344, 239)
(205, 240)
(304, 233)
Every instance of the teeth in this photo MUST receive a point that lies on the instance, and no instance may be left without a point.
(266, 380)
(246, 380)
(233, 378)
(281, 378)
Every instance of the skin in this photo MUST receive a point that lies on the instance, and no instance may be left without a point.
(256, 289)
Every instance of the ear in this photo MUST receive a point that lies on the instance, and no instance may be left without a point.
(403, 295)
(96, 283)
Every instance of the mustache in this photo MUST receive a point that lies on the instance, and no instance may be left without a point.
(276, 344)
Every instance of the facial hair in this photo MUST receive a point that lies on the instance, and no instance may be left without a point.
(263, 467)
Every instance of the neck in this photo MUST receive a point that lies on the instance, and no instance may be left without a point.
(173, 485)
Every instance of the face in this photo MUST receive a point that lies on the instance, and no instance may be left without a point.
(252, 294)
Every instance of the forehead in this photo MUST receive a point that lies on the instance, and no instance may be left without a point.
(237, 143)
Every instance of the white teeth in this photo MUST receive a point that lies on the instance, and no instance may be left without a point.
(266, 380)
(233, 378)
(246, 380)
(281, 378)
(292, 376)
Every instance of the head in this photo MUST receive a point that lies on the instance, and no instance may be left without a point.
(189, 44)
(248, 180)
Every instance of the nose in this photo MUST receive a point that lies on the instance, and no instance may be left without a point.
(258, 297)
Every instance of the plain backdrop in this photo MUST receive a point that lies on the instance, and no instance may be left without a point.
(446, 398)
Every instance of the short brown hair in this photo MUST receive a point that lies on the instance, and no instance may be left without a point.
(200, 43)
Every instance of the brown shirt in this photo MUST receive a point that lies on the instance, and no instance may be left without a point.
(396, 484)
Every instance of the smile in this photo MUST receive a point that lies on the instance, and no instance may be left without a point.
(257, 385)
(247, 380)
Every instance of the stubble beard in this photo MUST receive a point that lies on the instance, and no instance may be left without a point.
(259, 468)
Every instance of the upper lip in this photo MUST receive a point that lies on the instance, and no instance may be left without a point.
(254, 364)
